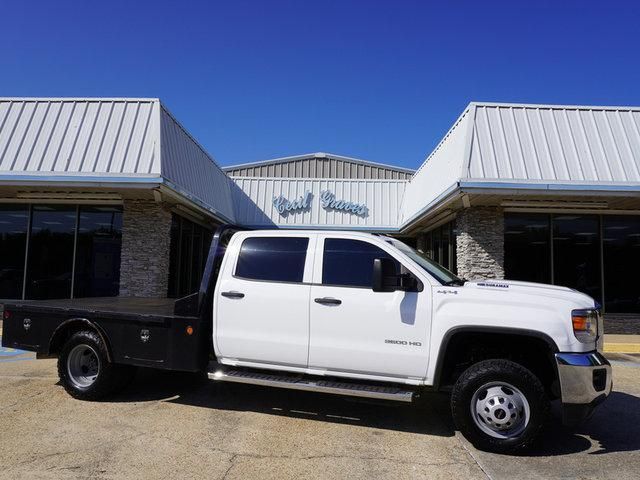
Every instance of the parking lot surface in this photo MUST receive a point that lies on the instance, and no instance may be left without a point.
(168, 425)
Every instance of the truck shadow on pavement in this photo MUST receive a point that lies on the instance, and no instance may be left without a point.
(430, 416)
(615, 426)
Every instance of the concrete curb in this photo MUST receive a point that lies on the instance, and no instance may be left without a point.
(622, 347)
(614, 343)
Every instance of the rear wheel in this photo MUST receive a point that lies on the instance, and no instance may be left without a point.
(499, 405)
(84, 368)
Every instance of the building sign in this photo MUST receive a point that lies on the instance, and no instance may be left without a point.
(327, 201)
(285, 206)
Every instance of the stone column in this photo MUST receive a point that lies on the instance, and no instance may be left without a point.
(146, 239)
(480, 243)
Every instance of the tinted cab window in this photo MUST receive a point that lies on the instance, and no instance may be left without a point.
(350, 262)
(278, 259)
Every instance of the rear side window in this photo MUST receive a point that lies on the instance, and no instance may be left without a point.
(350, 262)
(279, 259)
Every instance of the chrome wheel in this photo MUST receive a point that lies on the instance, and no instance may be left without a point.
(83, 366)
(500, 410)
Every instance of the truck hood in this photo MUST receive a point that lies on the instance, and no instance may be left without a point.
(531, 288)
(512, 304)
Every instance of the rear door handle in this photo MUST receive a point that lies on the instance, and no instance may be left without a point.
(328, 301)
(232, 294)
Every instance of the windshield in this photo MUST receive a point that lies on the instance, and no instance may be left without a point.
(441, 274)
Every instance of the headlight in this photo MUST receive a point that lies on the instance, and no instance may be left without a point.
(585, 324)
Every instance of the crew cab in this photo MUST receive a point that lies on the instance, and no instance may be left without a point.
(345, 313)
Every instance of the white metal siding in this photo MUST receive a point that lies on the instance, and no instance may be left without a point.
(79, 136)
(254, 202)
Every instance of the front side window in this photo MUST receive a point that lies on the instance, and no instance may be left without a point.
(350, 262)
(277, 259)
(434, 269)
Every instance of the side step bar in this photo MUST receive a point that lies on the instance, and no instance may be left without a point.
(222, 374)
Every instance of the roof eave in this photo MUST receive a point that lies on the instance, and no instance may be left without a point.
(306, 156)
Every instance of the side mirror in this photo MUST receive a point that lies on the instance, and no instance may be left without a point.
(385, 277)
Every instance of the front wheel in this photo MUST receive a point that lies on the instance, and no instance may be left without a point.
(84, 368)
(499, 405)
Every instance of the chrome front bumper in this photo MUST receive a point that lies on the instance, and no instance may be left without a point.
(585, 382)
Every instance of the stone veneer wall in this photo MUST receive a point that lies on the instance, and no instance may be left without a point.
(480, 243)
(146, 241)
(622, 323)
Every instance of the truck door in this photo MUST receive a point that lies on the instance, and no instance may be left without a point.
(353, 328)
(262, 300)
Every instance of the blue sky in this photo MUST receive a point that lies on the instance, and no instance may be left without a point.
(379, 80)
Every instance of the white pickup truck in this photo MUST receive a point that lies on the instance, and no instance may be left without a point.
(344, 313)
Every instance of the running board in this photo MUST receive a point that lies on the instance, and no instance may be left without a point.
(222, 374)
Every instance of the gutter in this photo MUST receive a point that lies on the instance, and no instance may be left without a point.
(550, 187)
(80, 181)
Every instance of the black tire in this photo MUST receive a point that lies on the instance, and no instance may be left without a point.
(108, 379)
(489, 372)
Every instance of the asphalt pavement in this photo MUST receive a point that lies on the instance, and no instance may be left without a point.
(169, 425)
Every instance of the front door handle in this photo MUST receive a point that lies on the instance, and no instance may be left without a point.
(328, 301)
(232, 294)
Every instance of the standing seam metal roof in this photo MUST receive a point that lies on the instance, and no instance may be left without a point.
(536, 145)
(555, 143)
(79, 135)
(107, 139)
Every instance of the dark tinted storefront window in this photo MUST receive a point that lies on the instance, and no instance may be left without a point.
(440, 245)
(14, 221)
(350, 262)
(576, 253)
(189, 249)
(445, 256)
(527, 252)
(595, 254)
(46, 235)
(97, 272)
(50, 256)
(278, 259)
(621, 251)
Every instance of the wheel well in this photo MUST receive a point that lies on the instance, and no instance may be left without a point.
(66, 329)
(466, 348)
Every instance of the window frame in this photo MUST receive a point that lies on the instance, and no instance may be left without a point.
(404, 264)
(307, 266)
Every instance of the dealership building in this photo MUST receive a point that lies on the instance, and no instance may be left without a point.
(106, 197)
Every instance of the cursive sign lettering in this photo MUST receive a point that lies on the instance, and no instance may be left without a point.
(329, 202)
(285, 206)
